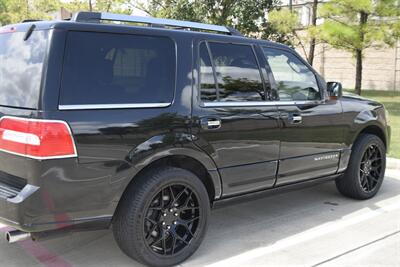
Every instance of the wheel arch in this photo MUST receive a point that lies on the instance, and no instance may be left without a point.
(190, 164)
(186, 158)
(375, 130)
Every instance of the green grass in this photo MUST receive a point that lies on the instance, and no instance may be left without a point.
(391, 100)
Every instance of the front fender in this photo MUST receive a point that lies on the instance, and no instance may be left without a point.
(368, 119)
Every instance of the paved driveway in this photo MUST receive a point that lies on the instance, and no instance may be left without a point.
(314, 226)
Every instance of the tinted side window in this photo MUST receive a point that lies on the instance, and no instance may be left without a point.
(294, 79)
(102, 68)
(237, 72)
(208, 90)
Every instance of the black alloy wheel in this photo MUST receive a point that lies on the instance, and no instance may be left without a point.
(370, 168)
(366, 168)
(172, 219)
(162, 217)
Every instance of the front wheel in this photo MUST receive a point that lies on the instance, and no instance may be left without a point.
(366, 170)
(162, 217)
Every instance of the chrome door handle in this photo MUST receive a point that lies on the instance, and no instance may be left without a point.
(295, 119)
(210, 123)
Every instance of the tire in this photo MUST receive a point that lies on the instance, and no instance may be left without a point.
(366, 170)
(147, 204)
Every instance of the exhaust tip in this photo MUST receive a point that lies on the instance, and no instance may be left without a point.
(16, 236)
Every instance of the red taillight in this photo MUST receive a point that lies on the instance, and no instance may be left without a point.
(39, 139)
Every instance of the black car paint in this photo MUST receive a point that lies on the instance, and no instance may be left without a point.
(115, 145)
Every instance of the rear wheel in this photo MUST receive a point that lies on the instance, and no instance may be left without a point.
(364, 175)
(162, 217)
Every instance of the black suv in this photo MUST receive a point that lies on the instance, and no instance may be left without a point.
(145, 128)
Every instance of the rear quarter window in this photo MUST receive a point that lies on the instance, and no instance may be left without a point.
(104, 68)
(21, 67)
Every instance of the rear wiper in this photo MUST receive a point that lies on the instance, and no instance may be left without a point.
(29, 32)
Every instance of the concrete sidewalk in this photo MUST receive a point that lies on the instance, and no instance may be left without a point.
(393, 164)
(314, 226)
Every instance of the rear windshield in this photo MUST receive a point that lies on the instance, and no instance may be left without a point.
(21, 64)
(105, 68)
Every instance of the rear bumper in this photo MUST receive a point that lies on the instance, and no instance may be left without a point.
(17, 210)
(55, 194)
(11, 204)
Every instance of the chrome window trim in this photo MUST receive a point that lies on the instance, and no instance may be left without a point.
(259, 103)
(166, 22)
(113, 106)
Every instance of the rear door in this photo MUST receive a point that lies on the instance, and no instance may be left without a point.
(234, 121)
(311, 126)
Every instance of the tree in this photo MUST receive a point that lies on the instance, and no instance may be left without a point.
(248, 16)
(286, 22)
(313, 41)
(3, 16)
(14, 11)
(115, 6)
(357, 25)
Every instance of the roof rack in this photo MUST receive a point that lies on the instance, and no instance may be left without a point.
(97, 17)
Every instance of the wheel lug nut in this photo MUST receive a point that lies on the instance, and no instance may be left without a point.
(163, 223)
(175, 222)
(176, 214)
(171, 210)
(168, 227)
(164, 214)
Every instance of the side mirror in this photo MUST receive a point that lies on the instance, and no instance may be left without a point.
(335, 90)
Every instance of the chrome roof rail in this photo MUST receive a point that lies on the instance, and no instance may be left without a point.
(97, 17)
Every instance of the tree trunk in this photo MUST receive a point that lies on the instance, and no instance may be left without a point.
(358, 72)
(90, 6)
(109, 3)
(359, 52)
(311, 52)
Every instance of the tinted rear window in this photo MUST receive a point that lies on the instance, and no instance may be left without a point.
(102, 68)
(21, 64)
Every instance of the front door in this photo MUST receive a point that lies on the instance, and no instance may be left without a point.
(233, 121)
(311, 126)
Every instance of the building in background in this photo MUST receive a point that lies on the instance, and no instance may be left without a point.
(381, 67)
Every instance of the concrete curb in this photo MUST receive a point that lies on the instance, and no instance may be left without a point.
(393, 164)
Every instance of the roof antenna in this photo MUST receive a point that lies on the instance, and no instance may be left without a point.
(29, 32)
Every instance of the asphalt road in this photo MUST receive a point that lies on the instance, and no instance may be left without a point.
(314, 226)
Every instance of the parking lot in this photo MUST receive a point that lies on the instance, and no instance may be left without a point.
(314, 226)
